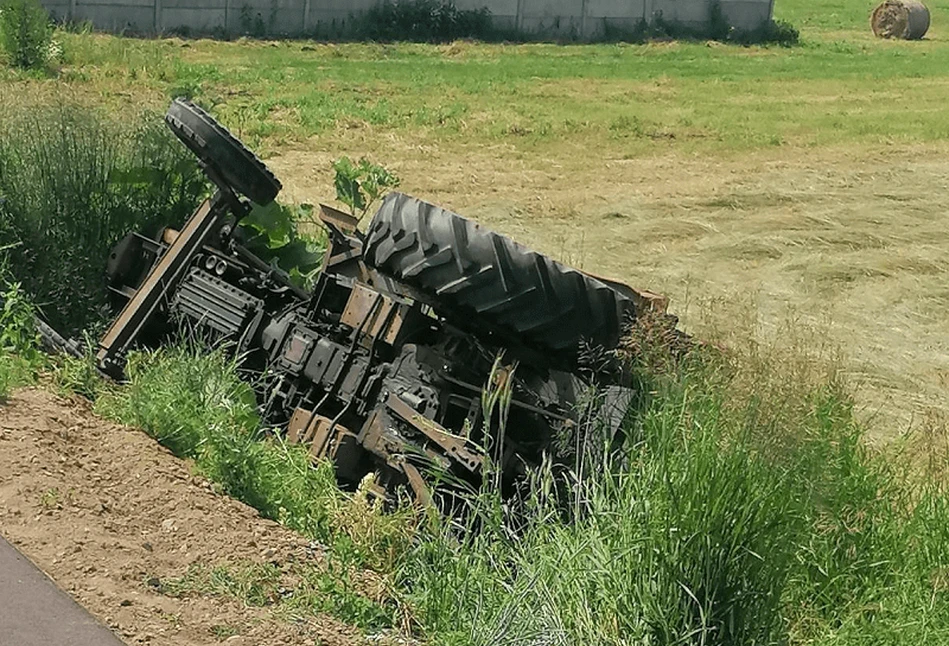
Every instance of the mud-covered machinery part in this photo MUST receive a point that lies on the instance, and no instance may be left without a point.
(53, 341)
(484, 276)
(227, 157)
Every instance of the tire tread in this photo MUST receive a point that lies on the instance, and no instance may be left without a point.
(474, 272)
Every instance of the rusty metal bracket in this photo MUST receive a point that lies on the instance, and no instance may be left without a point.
(338, 221)
(422, 493)
(457, 447)
(162, 277)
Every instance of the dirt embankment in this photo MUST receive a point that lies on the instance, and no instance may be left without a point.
(109, 514)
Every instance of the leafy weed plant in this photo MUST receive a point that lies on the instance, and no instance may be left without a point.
(274, 234)
(360, 184)
(26, 33)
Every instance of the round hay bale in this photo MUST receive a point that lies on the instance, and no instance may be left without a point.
(906, 19)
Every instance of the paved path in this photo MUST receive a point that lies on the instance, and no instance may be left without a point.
(34, 612)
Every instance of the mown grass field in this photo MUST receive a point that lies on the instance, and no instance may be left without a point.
(805, 184)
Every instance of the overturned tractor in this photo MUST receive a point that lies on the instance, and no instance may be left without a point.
(429, 345)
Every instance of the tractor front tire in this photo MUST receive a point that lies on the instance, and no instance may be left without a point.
(475, 274)
(222, 152)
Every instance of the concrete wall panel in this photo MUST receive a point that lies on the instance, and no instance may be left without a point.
(351, 6)
(59, 14)
(119, 5)
(496, 7)
(553, 26)
(58, 10)
(550, 8)
(196, 20)
(210, 5)
(277, 17)
(689, 12)
(288, 22)
(600, 27)
(746, 14)
(614, 9)
(327, 18)
(117, 17)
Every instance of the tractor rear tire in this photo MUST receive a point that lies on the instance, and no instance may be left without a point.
(476, 275)
(222, 152)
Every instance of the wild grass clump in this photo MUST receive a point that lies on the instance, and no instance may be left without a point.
(71, 186)
(14, 372)
(641, 551)
(193, 403)
(26, 33)
(316, 588)
(19, 341)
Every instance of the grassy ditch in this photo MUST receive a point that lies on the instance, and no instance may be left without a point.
(734, 514)
(731, 516)
(744, 507)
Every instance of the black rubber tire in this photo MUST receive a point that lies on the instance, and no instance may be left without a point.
(223, 152)
(480, 275)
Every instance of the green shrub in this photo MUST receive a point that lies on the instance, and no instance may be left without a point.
(71, 186)
(780, 32)
(25, 33)
(422, 21)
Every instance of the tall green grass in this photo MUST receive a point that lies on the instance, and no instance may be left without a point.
(704, 529)
(71, 185)
(19, 341)
(25, 33)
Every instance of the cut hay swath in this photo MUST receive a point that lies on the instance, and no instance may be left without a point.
(905, 19)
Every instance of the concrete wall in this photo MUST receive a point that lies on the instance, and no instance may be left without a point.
(580, 19)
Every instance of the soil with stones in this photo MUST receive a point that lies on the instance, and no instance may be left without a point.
(108, 514)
